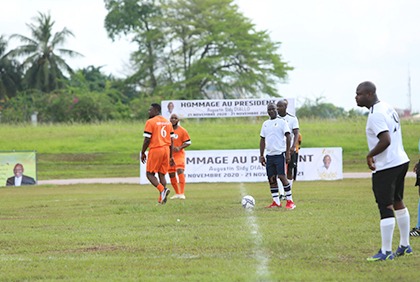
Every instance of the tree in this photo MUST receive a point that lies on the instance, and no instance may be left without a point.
(216, 46)
(43, 64)
(90, 78)
(139, 18)
(194, 49)
(10, 73)
(319, 109)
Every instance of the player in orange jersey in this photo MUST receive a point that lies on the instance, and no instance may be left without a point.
(158, 134)
(181, 141)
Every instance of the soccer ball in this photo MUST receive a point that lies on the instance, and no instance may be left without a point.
(248, 202)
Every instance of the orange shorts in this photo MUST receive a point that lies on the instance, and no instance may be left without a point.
(158, 160)
(179, 158)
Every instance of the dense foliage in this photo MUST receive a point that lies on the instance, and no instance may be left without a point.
(188, 49)
(324, 110)
(10, 73)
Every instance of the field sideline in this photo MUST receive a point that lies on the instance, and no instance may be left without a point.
(117, 232)
(135, 180)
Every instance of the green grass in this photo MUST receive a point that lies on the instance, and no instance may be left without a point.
(112, 149)
(119, 233)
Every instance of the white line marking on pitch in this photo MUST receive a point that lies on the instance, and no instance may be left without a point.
(260, 254)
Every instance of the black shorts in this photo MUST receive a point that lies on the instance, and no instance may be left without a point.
(388, 184)
(293, 161)
(275, 165)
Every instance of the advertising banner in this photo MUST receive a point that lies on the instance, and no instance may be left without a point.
(320, 164)
(221, 108)
(244, 166)
(8, 162)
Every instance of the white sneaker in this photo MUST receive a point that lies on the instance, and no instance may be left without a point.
(164, 195)
(176, 196)
(181, 196)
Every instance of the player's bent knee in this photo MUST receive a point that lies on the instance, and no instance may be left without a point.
(385, 211)
(272, 179)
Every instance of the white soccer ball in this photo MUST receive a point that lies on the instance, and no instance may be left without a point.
(248, 202)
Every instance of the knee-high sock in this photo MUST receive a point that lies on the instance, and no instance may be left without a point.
(418, 215)
(275, 194)
(281, 189)
(403, 221)
(288, 192)
(387, 231)
(160, 187)
(181, 183)
(174, 183)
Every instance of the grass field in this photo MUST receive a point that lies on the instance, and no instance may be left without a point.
(119, 233)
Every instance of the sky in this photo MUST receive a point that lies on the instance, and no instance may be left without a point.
(333, 45)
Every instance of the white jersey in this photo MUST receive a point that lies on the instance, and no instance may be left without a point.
(382, 118)
(274, 130)
(293, 123)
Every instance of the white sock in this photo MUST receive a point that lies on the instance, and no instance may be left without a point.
(387, 231)
(281, 189)
(403, 221)
(290, 182)
(275, 195)
(288, 192)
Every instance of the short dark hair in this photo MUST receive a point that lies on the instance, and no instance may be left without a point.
(368, 86)
(157, 107)
(16, 165)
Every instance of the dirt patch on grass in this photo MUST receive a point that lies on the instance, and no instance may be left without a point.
(95, 249)
(72, 157)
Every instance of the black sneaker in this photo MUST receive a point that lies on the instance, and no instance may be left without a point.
(415, 232)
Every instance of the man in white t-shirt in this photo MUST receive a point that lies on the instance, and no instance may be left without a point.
(293, 124)
(389, 164)
(275, 141)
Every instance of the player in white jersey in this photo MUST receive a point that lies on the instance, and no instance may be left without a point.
(293, 124)
(274, 142)
(389, 164)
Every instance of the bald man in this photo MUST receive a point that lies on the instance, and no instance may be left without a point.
(389, 164)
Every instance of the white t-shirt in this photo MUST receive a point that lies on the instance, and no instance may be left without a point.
(274, 130)
(382, 118)
(293, 123)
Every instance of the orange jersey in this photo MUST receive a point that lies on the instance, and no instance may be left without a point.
(159, 130)
(181, 136)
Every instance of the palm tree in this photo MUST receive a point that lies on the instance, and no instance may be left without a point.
(44, 69)
(10, 74)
